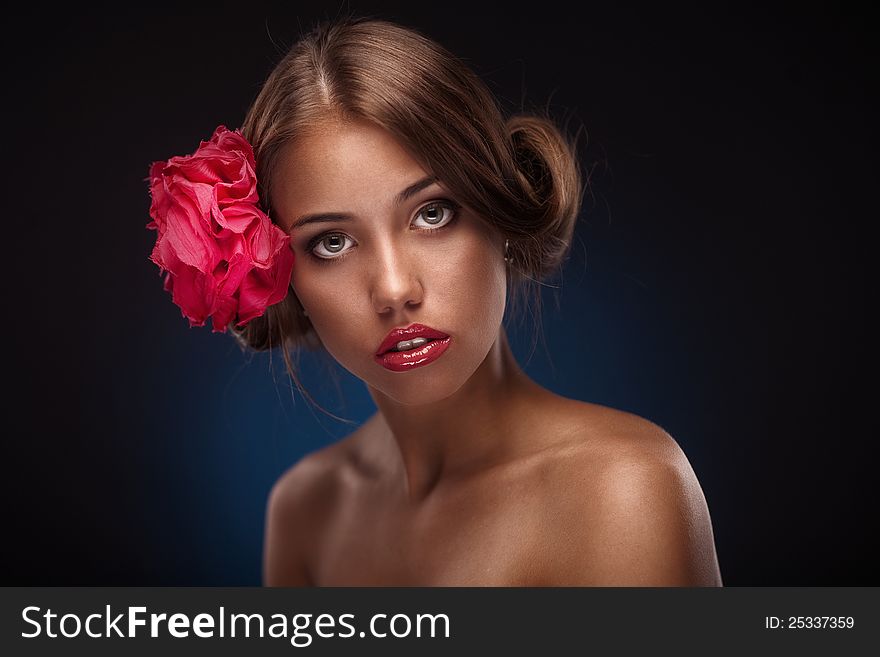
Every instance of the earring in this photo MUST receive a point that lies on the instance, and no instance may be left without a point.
(305, 313)
(507, 258)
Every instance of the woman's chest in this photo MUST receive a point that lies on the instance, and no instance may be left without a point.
(479, 540)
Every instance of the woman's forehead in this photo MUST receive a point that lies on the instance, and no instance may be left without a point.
(356, 148)
(338, 164)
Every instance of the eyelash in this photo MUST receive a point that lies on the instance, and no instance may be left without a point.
(452, 206)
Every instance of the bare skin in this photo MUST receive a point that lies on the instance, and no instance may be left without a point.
(469, 473)
(579, 495)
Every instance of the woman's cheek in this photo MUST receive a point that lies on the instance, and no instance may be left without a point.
(330, 306)
(482, 275)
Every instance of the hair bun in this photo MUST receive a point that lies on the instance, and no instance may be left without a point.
(551, 189)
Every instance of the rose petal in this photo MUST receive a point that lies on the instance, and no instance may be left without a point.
(239, 217)
(262, 288)
(193, 292)
(186, 237)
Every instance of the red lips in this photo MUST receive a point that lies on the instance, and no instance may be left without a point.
(410, 332)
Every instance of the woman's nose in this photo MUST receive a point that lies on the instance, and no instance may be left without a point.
(396, 280)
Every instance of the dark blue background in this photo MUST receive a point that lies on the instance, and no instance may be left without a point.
(718, 285)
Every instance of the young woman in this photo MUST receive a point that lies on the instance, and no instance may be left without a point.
(415, 213)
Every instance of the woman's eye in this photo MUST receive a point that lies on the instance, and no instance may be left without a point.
(329, 246)
(332, 246)
(437, 214)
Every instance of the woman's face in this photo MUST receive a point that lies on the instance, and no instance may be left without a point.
(384, 261)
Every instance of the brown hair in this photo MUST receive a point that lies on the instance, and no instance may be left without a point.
(520, 175)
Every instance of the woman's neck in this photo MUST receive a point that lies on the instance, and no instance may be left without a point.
(473, 428)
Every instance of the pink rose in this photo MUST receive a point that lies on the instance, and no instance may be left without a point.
(224, 257)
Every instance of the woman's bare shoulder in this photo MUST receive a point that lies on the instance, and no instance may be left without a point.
(313, 481)
(603, 435)
(630, 505)
(300, 502)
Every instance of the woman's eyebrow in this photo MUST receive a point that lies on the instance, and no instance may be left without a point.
(415, 188)
(402, 197)
(322, 217)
